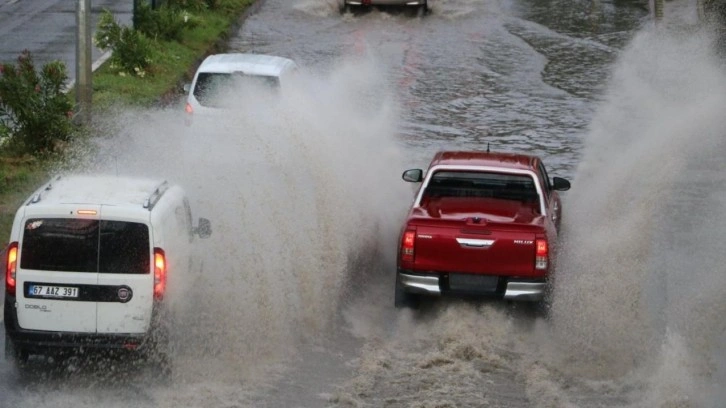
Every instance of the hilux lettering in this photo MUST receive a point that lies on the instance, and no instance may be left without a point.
(523, 242)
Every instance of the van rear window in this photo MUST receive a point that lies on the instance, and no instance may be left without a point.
(77, 245)
(211, 87)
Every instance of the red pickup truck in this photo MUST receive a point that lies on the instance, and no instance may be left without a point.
(482, 224)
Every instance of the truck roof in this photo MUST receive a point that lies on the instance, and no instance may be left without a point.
(482, 158)
(100, 190)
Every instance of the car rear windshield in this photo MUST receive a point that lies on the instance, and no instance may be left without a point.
(503, 186)
(212, 89)
(77, 245)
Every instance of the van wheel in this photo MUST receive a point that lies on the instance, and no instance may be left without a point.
(159, 355)
(404, 299)
(15, 355)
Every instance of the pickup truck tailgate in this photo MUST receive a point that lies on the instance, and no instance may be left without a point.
(503, 252)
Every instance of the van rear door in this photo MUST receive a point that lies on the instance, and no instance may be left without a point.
(125, 273)
(57, 272)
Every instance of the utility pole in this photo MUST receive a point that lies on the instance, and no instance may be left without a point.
(84, 85)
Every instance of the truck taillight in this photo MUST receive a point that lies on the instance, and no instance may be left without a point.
(540, 257)
(159, 273)
(11, 267)
(188, 109)
(407, 246)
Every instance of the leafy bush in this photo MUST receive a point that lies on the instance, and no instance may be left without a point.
(35, 113)
(166, 23)
(192, 5)
(131, 50)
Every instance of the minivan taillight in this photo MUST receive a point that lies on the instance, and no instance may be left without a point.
(408, 246)
(159, 273)
(540, 257)
(11, 268)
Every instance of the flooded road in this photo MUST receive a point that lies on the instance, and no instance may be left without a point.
(293, 306)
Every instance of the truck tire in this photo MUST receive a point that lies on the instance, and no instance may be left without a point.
(404, 299)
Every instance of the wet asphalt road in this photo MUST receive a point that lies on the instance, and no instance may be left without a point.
(48, 29)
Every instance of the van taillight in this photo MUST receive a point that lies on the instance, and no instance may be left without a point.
(159, 273)
(188, 109)
(407, 246)
(540, 257)
(11, 267)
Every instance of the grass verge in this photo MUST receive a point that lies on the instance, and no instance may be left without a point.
(172, 65)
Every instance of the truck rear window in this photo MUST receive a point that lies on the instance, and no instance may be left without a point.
(77, 245)
(482, 185)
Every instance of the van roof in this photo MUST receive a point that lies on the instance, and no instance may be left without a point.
(98, 189)
(251, 64)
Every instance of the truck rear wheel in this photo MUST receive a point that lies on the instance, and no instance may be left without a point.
(404, 299)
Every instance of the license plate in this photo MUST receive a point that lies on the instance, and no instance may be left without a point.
(473, 282)
(53, 291)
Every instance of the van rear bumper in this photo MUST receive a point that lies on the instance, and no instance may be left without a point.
(38, 341)
(437, 284)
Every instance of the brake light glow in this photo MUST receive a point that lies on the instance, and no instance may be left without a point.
(408, 246)
(159, 273)
(86, 212)
(540, 258)
(11, 267)
(188, 109)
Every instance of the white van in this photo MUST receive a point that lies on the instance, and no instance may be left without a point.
(88, 263)
(220, 74)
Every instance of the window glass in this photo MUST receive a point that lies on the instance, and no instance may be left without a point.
(482, 185)
(60, 244)
(545, 179)
(78, 245)
(211, 89)
(124, 248)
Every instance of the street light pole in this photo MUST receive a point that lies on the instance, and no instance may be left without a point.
(84, 86)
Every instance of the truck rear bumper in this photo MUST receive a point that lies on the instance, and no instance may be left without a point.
(507, 288)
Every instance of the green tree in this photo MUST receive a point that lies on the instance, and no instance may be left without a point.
(35, 113)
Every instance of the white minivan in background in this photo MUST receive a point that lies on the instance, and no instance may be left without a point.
(88, 263)
(221, 77)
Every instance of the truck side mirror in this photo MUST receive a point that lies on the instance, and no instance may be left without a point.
(413, 175)
(187, 87)
(204, 228)
(560, 184)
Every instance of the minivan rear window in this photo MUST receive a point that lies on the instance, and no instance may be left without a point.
(210, 87)
(78, 245)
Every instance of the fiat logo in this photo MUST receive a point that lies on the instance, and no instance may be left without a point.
(124, 294)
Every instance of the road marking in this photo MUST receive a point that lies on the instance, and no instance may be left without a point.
(9, 2)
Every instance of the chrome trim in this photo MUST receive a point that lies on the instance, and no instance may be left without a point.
(525, 290)
(428, 285)
(475, 243)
